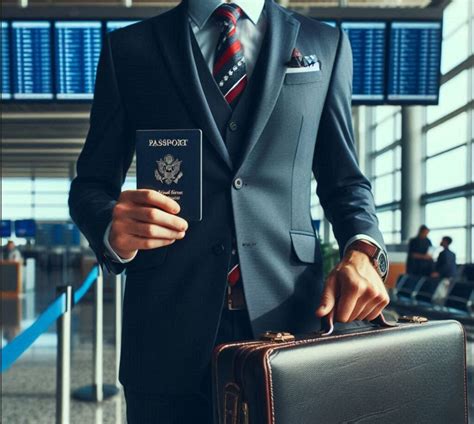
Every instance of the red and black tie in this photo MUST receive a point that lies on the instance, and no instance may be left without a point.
(229, 62)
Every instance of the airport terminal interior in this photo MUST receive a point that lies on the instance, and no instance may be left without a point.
(413, 116)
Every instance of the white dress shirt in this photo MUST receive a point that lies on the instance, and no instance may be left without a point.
(250, 30)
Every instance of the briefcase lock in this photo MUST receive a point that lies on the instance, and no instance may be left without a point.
(277, 337)
(415, 319)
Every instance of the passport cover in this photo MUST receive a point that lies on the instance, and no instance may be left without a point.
(170, 162)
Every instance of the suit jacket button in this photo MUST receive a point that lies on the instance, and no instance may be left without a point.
(238, 183)
(233, 126)
(218, 249)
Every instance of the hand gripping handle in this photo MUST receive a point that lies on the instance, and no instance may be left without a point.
(327, 323)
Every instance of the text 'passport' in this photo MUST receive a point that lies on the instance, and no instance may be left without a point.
(170, 162)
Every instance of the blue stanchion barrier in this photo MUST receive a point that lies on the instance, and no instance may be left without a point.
(13, 350)
(81, 291)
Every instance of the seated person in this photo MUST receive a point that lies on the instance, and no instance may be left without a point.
(446, 264)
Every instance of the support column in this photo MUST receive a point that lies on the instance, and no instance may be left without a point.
(412, 173)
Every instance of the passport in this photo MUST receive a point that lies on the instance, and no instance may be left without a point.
(170, 162)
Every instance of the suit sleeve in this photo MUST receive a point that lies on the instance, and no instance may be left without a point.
(104, 160)
(344, 192)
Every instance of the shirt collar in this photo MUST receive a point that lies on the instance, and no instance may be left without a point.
(201, 10)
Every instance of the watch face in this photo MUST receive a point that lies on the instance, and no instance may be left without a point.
(382, 262)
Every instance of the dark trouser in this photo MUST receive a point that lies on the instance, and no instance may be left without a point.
(189, 407)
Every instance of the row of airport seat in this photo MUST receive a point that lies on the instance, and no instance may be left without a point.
(436, 297)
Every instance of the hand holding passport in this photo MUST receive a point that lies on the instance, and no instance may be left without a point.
(169, 183)
(144, 219)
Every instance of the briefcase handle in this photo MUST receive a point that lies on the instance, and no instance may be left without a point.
(327, 323)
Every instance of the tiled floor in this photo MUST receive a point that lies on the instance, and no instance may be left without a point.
(28, 388)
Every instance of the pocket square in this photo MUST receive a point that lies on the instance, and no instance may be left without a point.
(305, 69)
(300, 63)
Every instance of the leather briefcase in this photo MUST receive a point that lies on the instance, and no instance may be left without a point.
(412, 372)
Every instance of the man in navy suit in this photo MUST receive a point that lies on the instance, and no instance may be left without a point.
(271, 91)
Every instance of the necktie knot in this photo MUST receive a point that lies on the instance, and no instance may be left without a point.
(228, 13)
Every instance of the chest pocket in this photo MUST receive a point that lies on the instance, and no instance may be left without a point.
(303, 77)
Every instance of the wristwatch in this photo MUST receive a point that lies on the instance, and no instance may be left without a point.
(377, 256)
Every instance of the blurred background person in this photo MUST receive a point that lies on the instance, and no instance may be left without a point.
(11, 253)
(446, 263)
(420, 259)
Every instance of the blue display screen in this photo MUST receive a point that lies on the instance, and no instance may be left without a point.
(77, 47)
(113, 25)
(25, 228)
(414, 71)
(368, 50)
(5, 228)
(32, 74)
(6, 76)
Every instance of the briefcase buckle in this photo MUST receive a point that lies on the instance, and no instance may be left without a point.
(277, 337)
(414, 319)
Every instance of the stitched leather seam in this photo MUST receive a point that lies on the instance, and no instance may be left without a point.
(217, 352)
(465, 371)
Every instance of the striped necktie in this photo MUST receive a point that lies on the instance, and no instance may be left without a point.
(229, 62)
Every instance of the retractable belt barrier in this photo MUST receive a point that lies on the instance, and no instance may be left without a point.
(59, 311)
(20, 344)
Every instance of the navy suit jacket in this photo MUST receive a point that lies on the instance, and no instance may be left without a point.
(302, 124)
(446, 264)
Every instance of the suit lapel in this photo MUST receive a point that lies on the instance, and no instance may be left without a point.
(173, 36)
(279, 41)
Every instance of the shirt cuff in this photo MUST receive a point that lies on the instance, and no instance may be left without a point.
(111, 252)
(362, 237)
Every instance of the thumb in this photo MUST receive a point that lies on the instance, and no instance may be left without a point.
(328, 298)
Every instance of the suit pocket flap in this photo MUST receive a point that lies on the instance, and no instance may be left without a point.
(302, 77)
(305, 246)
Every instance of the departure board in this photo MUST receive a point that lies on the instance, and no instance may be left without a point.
(414, 64)
(113, 25)
(31, 52)
(77, 48)
(6, 76)
(368, 50)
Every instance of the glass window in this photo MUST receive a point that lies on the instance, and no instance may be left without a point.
(385, 133)
(448, 134)
(453, 95)
(447, 213)
(385, 221)
(15, 211)
(383, 112)
(442, 174)
(455, 15)
(52, 184)
(384, 163)
(11, 185)
(384, 189)
(455, 49)
(130, 183)
(51, 213)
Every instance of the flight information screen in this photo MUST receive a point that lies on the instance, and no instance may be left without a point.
(113, 25)
(368, 50)
(414, 65)
(6, 77)
(77, 47)
(31, 52)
